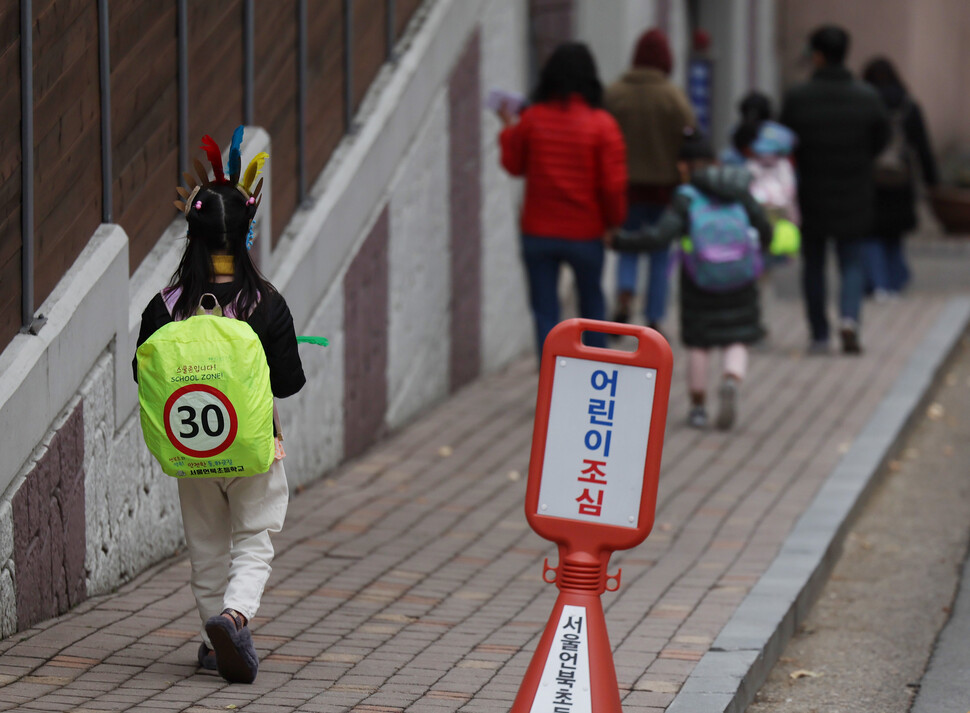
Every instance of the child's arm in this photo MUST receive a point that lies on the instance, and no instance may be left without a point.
(285, 367)
(513, 147)
(756, 214)
(673, 224)
(153, 317)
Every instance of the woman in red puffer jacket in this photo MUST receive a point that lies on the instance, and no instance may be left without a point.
(572, 156)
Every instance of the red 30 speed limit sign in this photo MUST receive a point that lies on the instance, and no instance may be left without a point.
(200, 420)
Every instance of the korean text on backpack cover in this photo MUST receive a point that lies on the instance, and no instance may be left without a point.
(205, 400)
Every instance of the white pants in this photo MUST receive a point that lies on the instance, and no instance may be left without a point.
(227, 524)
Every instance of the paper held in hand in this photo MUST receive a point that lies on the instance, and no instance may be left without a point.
(500, 98)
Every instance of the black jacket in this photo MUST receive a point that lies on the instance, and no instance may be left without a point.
(842, 125)
(709, 319)
(272, 323)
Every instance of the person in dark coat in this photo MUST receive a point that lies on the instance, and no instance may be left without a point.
(842, 125)
(886, 269)
(730, 319)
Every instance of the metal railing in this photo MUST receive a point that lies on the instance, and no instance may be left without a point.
(31, 322)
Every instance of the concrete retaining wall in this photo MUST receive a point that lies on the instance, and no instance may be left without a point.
(378, 260)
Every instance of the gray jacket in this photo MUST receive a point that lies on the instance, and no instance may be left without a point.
(724, 183)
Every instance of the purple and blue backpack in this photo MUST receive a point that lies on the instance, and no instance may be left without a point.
(722, 251)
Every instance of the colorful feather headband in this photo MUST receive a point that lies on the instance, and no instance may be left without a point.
(245, 185)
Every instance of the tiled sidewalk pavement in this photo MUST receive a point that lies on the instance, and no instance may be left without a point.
(409, 581)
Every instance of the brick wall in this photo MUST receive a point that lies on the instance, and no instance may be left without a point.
(275, 101)
(369, 23)
(10, 170)
(325, 83)
(143, 43)
(404, 9)
(144, 121)
(67, 137)
(216, 60)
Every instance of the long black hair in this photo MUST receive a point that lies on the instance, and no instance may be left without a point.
(881, 74)
(219, 217)
(569, 70)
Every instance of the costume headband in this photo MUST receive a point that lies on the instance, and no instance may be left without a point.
(245, 186)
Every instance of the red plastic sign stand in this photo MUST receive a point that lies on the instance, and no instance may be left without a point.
(596, 447)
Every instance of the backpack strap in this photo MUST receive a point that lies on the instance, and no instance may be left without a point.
(170, 295)
(230, 309)
(216, 308)
(693, 195)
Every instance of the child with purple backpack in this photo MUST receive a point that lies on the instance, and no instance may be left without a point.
(722, 232)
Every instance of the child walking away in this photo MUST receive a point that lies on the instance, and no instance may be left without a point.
(214, 348)
(765, 148)
(722, 231)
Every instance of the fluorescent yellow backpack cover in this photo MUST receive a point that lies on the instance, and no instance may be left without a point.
(786, 238)
(205, 398)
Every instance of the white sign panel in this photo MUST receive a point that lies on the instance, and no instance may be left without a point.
(565, 677)
(596, 445)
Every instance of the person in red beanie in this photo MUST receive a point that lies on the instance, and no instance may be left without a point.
(572, 157)
(652, 113)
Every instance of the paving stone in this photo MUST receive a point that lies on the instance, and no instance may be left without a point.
(408, 580)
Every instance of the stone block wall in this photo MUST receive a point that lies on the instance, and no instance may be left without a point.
(48, 527)
(131, 508)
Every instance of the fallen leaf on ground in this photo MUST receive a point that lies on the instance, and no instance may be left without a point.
(445, 451)
(935, 412)
(514, 475)
(803, 673)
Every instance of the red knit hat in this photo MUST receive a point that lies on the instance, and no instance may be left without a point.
(653, 50)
